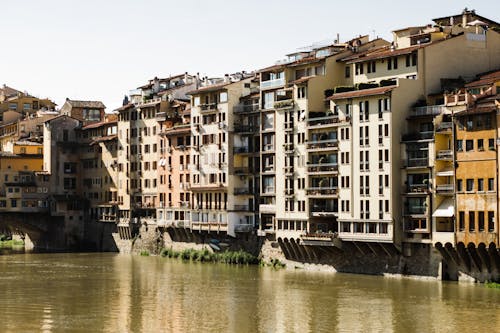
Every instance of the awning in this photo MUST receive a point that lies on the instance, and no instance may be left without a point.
(445, 209)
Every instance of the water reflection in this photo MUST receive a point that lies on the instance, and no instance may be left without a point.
(116, 293)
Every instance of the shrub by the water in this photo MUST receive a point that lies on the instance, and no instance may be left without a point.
(228, 257)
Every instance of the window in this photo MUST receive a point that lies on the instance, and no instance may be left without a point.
(223, 97)
(470, 185)
(491, 184)
(302, 92)
(460, 145)
(491, 221)
(491, 144)
(459, 185)
(26, 106)
(347, 71)
(480, 144)
(480, 221)
(472, 221)
(469, 145)
(480, 184)
(69, 183)
(461, 221)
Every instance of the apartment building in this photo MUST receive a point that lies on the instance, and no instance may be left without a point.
(22, 189)
(474, 109)
(15, 104)
(299, 164)
(99, 169)
(388, 85)
(216, 149)
(139, 149)
(174, 174)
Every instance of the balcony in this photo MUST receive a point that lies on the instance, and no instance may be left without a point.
(208, 107)
(322, 168)
(238, 128)
(241, 150)
(289, 148)
(322, 191)
(209, 226)
(284, 104)
(445, 188)
(428, 135)
(246, 108)
(417, 188)
(320, 122)
(320, 239)
(431, 110)
(267, 208)
(422, 162)
(444, 155)
(444, 127)
(415, 210)
(208, 187)
(289, 169)
(161, 116)
(243, 228)
(242, 171)
(268, 190)
(269, 147)
(272, 83)
(107, 218)
(241, 208)
(323, 144)
(242, 191)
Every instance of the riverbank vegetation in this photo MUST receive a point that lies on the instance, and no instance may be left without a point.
(227, 257)
(7, 242)
(493, 285)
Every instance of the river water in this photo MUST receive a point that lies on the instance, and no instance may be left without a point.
(121, 293)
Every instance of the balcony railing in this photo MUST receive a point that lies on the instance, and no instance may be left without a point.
(246, 108)
(415, 210)
(323, 144)
(241, 191)
(431, 110)
(208, 107)
(416, 162)
(241, 150)
(272, 83)
(444, 127)
(284, 104)
(322, 121)
(428, 135)
(444, 155)
(333, 190)
(245, 128)
(241, 208)
(416, 188)
(445, 188)
(322, 167)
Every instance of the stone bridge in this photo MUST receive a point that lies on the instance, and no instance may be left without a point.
(44, 231)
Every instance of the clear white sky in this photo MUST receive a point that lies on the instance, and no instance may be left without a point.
(100, 49)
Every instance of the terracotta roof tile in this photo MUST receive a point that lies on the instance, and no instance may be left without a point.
(362, 93)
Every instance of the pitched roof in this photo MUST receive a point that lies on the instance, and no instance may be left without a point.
(379, 53)
(8, 91)
(86, 104)
(362, 93)
(485, 79)
(211, 88)
(99, 124)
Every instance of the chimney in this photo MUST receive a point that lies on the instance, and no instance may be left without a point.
(185, 77)
(226, 78)
(464, 17)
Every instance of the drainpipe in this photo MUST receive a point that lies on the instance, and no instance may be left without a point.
(455, 201)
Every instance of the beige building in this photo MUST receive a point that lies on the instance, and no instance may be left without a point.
(216, 208)
(299, 160)
(139, 150)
